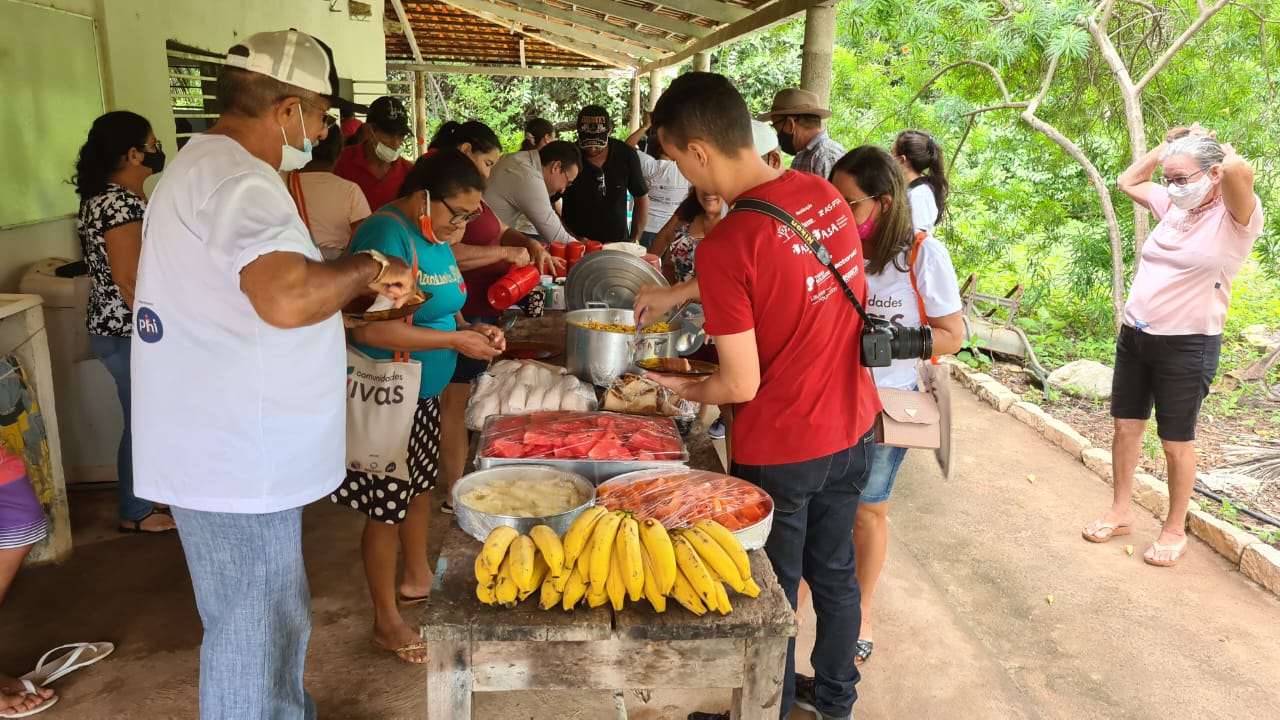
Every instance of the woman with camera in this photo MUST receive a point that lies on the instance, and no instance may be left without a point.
(910, 283)
(1168, 346)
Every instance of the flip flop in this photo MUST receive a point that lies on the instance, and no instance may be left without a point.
(405, 649)
(1099, 527)
(1178, 551)
(79, 655)
(862, 651)
(135, 526)
(406, 600)
(31, 690)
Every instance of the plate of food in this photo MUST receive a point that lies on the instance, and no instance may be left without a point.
(678, 366)
(377, 308)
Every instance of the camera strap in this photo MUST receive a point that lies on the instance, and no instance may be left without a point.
(815, 246)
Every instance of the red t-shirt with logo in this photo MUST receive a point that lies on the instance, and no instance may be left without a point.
(353, 166)
(815, 397)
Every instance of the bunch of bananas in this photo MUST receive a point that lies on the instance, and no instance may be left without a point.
(607, 557)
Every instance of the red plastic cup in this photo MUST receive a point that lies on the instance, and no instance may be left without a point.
(558, 250)
(594, 246)
(512, 287)
(575, 250)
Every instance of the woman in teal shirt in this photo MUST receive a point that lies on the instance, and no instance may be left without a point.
(439, 197)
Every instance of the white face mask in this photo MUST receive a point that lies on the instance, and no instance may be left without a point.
(291, 158)
(1189, 196)
(386, 154)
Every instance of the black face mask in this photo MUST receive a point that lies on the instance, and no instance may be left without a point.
(787, 142)
(153, 161)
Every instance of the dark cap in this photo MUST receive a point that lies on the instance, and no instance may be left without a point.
(389, 115)
(594, 127)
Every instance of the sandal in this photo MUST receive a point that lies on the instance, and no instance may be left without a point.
(135, 526)
(1100, 532)
(80, 655)
(31, 690)
(406, 600)
(1177, 552)
(446, 507)
(411, 647)
(862, 651)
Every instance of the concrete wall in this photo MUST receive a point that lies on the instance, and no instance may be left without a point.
(132, 36)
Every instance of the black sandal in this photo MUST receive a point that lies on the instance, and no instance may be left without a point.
(862, 651)
(137, 525)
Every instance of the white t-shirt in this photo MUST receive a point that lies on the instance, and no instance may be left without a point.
(332, 204)
(517, 192)
(924, 207)
(667, 189)
(889, 296)
(230, 414)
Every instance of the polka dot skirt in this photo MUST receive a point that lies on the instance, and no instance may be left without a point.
(385, 498)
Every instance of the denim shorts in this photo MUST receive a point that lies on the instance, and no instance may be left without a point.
(1170, 372)
(885, 461)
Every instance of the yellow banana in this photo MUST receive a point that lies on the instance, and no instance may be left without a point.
(574, 589)
(485, 593)
(694, 569)
(722, 599)
(684, 594)
(725, 539)
(613, 585)
(520, 555)
(651, 590)
(550, 596)
(579, 532)
(580, 568)
(483, 576)
(751, 589)
(629, 561)
(495, 547)
(657, 543)
(505, 589)
(715, 557)
(600, 549)
(596, 599)
(540, 571)
(549, 545)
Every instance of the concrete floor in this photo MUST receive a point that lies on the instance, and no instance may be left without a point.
(963, 626)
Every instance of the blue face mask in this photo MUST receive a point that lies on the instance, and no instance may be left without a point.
(291, 158)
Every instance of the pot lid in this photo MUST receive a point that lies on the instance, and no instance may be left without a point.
(612, 278)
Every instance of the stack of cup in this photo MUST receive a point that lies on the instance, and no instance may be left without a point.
(574, 253)
(653, 260)
(558, 250)
(594, 246)
(512, 287)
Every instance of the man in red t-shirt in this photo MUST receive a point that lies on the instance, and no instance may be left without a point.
(375, 163)
(788, 340)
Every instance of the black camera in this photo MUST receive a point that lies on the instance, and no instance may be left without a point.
(883, 343)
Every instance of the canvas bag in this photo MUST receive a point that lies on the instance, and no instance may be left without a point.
(382, 397)
(912, 418)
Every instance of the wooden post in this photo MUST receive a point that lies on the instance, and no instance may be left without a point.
(819, 41)
(634, 121)
(420, 111)
(655, 88)
(702, 61)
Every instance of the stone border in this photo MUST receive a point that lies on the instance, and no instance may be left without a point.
(1259, 561)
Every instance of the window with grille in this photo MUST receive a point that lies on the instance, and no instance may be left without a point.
(193, 74)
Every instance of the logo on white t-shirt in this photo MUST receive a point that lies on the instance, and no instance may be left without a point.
(150, 329)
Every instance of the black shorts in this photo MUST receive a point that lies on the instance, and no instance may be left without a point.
(1171, 372)
(467, 368)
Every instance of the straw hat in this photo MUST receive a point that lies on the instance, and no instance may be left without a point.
(794, 101)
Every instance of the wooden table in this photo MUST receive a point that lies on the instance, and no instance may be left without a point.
(475, 648)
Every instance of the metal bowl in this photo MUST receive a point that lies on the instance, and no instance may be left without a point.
(479, 524)
(752, 537)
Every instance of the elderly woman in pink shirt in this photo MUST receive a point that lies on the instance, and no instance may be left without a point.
(1167, 350)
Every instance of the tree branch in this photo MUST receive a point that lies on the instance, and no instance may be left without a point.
(1146, 6)
(1262, 43)
(1001, 106)
(1206, 13)
(1044, 88)
(1004, 90)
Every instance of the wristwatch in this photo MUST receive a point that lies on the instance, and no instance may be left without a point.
(382, 260)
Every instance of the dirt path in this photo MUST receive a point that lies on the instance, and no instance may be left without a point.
(964, 629)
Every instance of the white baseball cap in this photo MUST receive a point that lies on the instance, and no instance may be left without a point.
(765, 139)
(291, 57)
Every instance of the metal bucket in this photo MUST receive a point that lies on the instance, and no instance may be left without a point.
(600, 356)
(479, 524)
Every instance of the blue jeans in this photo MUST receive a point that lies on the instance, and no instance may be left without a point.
(114, 353)
(255, 605)
(885, 461)
(815, 503)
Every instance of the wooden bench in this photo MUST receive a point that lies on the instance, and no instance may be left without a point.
(475, 648)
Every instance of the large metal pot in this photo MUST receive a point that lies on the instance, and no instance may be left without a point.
(599, 356)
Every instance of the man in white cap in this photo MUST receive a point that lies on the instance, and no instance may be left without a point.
(239, 409)
(797, 118)
(766, 144)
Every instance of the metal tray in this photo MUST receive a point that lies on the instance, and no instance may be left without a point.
(752, 537)
(597, 471)
(479, 524)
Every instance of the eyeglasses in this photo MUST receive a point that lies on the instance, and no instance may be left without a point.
(460, 216)
(1181, 179)
(330, 120)
(855, 202)
(152, 146)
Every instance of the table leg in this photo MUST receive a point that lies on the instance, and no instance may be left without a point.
(449, 680)
(760, 697)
